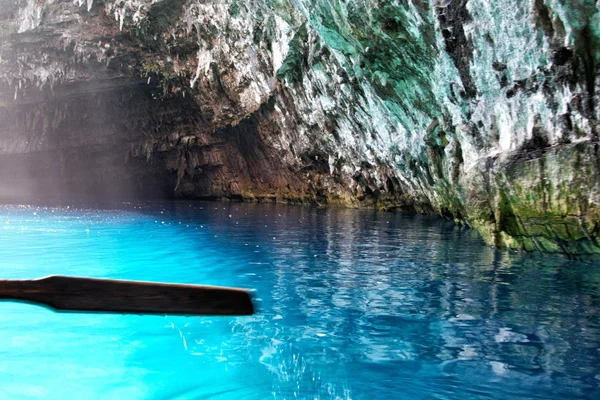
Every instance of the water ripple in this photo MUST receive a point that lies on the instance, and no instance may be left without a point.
(352, 305)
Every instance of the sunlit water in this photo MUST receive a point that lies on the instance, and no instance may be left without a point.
(352, 305)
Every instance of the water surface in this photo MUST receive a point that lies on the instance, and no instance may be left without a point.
(352, 305)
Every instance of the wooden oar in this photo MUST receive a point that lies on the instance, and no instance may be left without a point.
(65, 293)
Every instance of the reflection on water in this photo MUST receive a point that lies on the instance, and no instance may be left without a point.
(352, 305)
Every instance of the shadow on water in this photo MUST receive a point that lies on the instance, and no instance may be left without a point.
(352, 303)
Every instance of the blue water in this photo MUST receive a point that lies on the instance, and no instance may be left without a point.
(352, 305)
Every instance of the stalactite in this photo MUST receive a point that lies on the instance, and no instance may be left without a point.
(441, 105)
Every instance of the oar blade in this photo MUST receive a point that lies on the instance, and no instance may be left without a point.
(65, 293)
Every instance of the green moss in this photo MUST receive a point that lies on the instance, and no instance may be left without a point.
(528, 244)
(536, 228)
(159, 68)
(587, 247)
(547, 201)
(569, 230)
(507, 221)
(505, 241)
(165, 79)
(486, 229)
(548, 246)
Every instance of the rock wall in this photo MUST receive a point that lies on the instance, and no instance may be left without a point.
(484, 111)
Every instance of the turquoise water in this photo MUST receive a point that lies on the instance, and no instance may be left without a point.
(352, 305)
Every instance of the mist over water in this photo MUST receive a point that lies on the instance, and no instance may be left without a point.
(351, 305)
(62, 176)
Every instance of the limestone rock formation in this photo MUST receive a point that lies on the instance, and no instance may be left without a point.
(484, 111)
